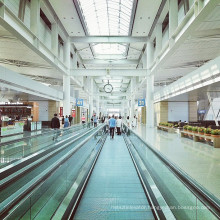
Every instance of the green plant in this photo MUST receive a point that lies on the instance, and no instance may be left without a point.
(208, 131)
(170, 125)
(189, 128)
(215, 132)
(176, 126)
(201, 130)
(195, 129)
(185, 127)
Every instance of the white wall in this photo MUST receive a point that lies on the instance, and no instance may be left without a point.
(178, 111)
(43, 111)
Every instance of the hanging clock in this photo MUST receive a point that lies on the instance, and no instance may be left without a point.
(108, 88)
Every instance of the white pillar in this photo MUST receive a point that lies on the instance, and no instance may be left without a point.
(97, 104)
(132, 99)
(66, 79)
(150, 101)
(158, 39)
(35, 17)
(91, 98)
(150, 88)
(54, 38)
(173, 16)
(66, 93)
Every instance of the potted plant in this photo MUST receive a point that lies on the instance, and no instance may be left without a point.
(195, 129)
(185, 127)
(201, 131)
(215, 133)
(170, 125)
(189, 129)
(207, 132)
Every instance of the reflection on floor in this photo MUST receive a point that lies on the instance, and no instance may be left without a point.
(199, 160)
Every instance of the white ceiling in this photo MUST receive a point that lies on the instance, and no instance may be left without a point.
(192, 53)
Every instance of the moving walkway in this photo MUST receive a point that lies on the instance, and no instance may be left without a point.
(94, 177)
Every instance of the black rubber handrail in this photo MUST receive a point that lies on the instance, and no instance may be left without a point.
(211, 202)
(156, 210)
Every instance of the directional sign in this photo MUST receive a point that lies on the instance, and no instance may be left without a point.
(79, 102)
(141, 102)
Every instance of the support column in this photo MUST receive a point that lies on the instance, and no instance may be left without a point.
(35, 17)
(66, 98)
(150, 88)
(150, 101)
(158, 39)
(66, 80)
(173, 16)
(132, 99)
(91, 99)
(2, 9)
(21, 11)
(54, 38)
(97, 105)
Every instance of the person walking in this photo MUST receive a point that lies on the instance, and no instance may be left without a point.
(128, 121)
(70, 119)
(112, 125)
(134, 122)
(83, 119)
(95, 120)
(62, 120)
(55, 122)
(66, 122)
(118, 125)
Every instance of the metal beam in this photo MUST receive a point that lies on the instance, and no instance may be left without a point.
(109, 62)
(108, 39)
(114, 94)
(112, 72)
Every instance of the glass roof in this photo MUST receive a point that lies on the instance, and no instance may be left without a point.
(107, 18)
(109, 49)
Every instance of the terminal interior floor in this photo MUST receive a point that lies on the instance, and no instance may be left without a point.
(199, 160)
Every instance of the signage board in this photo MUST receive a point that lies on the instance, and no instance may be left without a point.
(61, 111)
(141, 102)
(201, 111)
(79, 102)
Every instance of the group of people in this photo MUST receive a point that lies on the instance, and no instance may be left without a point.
(131, 122)
(55, 122)
(113, 123)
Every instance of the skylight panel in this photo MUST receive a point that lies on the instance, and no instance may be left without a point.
(109, 49)
(98, 14)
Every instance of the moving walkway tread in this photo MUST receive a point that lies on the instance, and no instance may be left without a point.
(114, 190)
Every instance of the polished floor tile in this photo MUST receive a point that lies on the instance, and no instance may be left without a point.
(199, 160)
